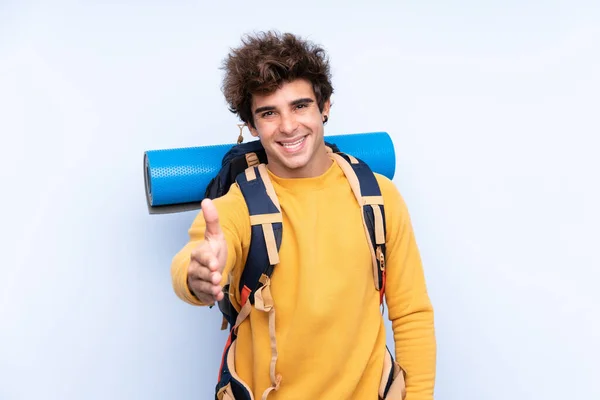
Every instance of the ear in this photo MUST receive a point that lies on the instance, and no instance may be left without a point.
(252, 130)
(326, 110)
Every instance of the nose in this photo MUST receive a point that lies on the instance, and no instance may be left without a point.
(288, 124)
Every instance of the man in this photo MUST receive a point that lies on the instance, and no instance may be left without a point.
(330, 334)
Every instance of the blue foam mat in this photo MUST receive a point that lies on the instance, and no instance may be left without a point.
(179, 177)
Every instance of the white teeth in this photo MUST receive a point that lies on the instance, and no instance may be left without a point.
(293, 144)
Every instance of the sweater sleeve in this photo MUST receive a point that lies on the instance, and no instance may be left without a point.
(234, 221)
(409, 306)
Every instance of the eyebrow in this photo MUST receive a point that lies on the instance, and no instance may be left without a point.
(293, 103)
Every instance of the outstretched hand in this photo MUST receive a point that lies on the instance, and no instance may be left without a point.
(208, 258)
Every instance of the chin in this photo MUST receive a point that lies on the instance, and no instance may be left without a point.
(296, 165)
(289, 166)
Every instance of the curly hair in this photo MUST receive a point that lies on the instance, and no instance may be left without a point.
(266, 60)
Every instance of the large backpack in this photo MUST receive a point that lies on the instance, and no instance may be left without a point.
(245, 164)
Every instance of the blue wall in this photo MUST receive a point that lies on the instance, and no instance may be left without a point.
(494, 110)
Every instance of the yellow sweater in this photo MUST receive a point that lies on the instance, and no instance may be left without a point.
(329, 328)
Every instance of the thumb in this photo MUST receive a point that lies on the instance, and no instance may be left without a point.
(211, 217)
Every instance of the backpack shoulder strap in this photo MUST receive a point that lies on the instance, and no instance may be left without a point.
(368, 194)
(266, 224)
(266, 231)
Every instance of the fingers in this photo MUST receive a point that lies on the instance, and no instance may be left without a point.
(203, 281)
(197, 271)
(208, 260)
(205, 257)
(209, 299)
(206, 288)
(206, 291)
(211, 217)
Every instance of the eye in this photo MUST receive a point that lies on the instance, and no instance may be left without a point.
(267, 114)
(301, 105)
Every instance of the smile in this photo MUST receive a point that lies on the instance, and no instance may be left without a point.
(293, 146)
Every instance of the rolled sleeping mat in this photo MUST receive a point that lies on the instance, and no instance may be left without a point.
(176, 179)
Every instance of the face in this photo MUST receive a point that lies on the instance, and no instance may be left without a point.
(290, 127)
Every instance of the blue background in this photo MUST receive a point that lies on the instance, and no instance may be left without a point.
(494, 112)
